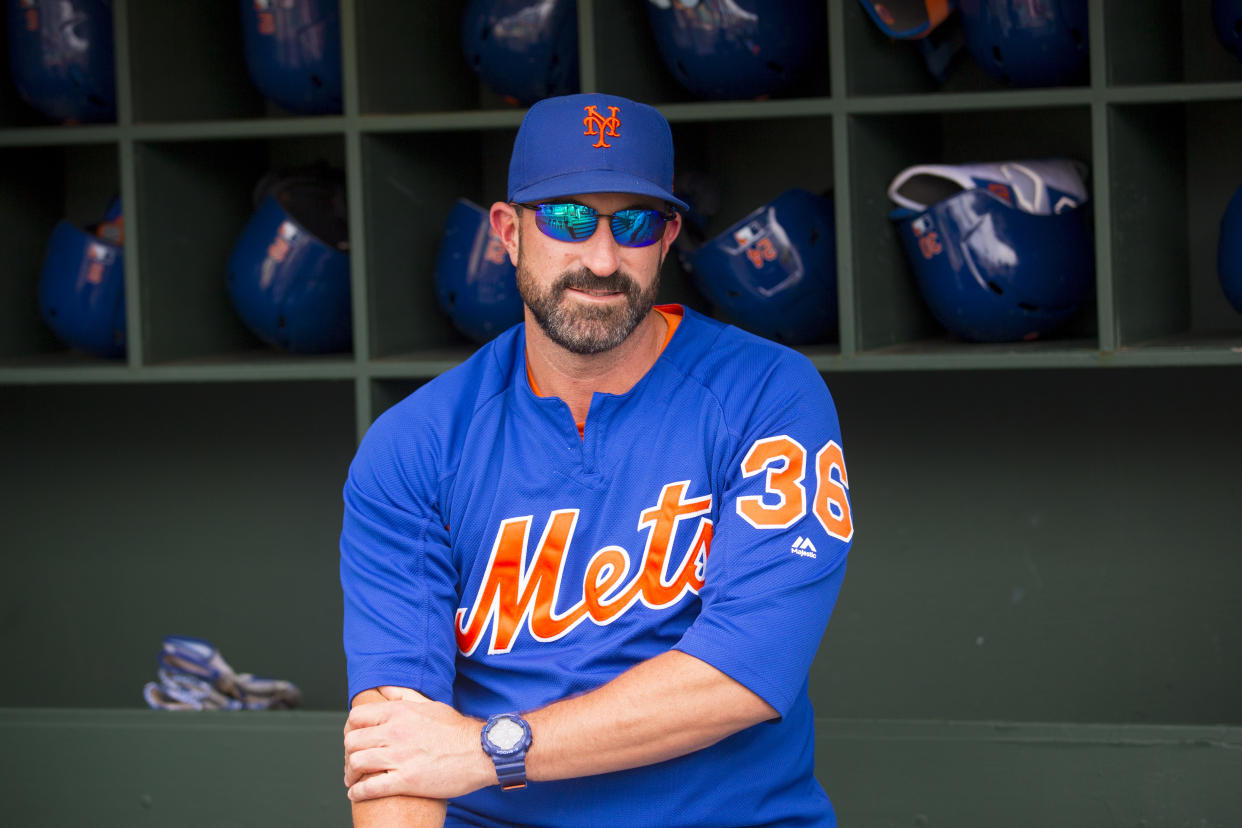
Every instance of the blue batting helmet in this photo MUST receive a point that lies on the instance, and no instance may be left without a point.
(1028, 44)
(61, 57)
(523, 50)
(82, 285)
(293, 53)
(774, 272)
(1000, 252)
(737, 48)
(476, 284)
(908, 19)
(288, 275)
(1227, 20)
(1229, 251)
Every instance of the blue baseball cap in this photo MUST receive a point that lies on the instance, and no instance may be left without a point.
(592, 143)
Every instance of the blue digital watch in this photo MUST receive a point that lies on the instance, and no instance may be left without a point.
(506, 738)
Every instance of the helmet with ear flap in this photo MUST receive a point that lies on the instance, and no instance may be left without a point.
(81, 290)
(1229, 251)
(1028, 44)
(476, 283)
(908, 19)
(739, 49)
(774, 271)
(1227, 21)
(61, 57)
(288, 274)
(521, 49)
(1001, 252)
(293, 53)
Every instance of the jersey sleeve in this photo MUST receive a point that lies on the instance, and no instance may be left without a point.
(779, 550)
(397, 576)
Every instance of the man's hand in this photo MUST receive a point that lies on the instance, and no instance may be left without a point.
(413, 747)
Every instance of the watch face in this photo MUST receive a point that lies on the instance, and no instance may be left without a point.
(505, 734)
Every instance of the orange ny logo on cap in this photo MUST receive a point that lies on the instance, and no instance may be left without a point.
(597, 124)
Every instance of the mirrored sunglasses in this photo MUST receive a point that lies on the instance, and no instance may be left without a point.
(569, 222)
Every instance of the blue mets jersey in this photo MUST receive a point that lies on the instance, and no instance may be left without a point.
(495, 560)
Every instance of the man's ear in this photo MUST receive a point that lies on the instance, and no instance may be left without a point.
(505, 225)
(671, 231)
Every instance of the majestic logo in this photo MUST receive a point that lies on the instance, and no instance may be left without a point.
(803, 546)
(514, 594)
(597, 124)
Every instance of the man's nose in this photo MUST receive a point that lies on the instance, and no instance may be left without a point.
(600, 253)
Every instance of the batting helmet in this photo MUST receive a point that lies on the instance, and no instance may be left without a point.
(1229, 251)
(1000, 252)
(293, 52)
(774, 272)
(61, 57)
(737, 48)
(1227, 20)
(288, 275)
(476, 284)
(1028, 44)
(908, 19)
(523, 50)
(82, 285)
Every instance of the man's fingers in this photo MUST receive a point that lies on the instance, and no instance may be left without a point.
(379, 785)
(363, 738)
(368, 715)
(362, 762)
(402, 693)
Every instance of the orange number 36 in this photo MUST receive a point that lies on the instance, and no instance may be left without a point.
(784, 460)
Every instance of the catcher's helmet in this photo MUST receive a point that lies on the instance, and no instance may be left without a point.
(1001, 252)
(774, 272)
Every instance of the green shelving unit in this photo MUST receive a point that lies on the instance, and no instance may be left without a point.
(1042, 593)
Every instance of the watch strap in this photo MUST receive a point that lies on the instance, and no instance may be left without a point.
(511, 772)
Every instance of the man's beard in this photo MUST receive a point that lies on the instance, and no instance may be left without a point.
(581, 328)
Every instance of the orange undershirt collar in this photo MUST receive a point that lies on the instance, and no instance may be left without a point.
(672, 316)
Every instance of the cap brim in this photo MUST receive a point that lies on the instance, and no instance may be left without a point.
(595, 181)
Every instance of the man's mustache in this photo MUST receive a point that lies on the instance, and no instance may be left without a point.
(616, 282)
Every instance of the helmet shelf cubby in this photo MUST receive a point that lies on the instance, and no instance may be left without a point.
(196, 198)
(892, 317)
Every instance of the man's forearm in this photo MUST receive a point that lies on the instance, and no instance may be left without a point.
(395, 811)
(399, 812)
(666, 707)
(663, 708)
